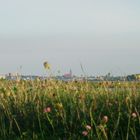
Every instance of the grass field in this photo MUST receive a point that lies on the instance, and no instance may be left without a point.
(76, 110)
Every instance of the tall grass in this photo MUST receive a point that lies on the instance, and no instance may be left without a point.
(74, 110)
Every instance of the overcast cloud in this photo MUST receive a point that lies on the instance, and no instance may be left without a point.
(103, 35)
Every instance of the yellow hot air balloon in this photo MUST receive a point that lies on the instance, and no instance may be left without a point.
(46, 65)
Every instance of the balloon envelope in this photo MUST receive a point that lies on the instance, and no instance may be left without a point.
(46, 65)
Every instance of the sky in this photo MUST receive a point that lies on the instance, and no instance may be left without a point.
(101, 35)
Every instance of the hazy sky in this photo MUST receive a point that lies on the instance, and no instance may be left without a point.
(102, 35)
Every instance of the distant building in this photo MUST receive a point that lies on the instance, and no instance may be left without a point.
(68, 75)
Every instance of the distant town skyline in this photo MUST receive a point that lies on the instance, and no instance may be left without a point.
(103, 36)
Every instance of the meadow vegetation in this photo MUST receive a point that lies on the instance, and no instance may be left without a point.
(74, 110)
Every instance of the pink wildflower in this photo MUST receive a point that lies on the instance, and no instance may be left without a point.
(105, 119)
(88, 127)
(84, 133)
(134, 115)
(47, 110)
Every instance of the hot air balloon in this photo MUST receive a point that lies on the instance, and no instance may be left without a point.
(46, 65)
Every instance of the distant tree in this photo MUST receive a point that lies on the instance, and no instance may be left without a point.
(131, 77)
